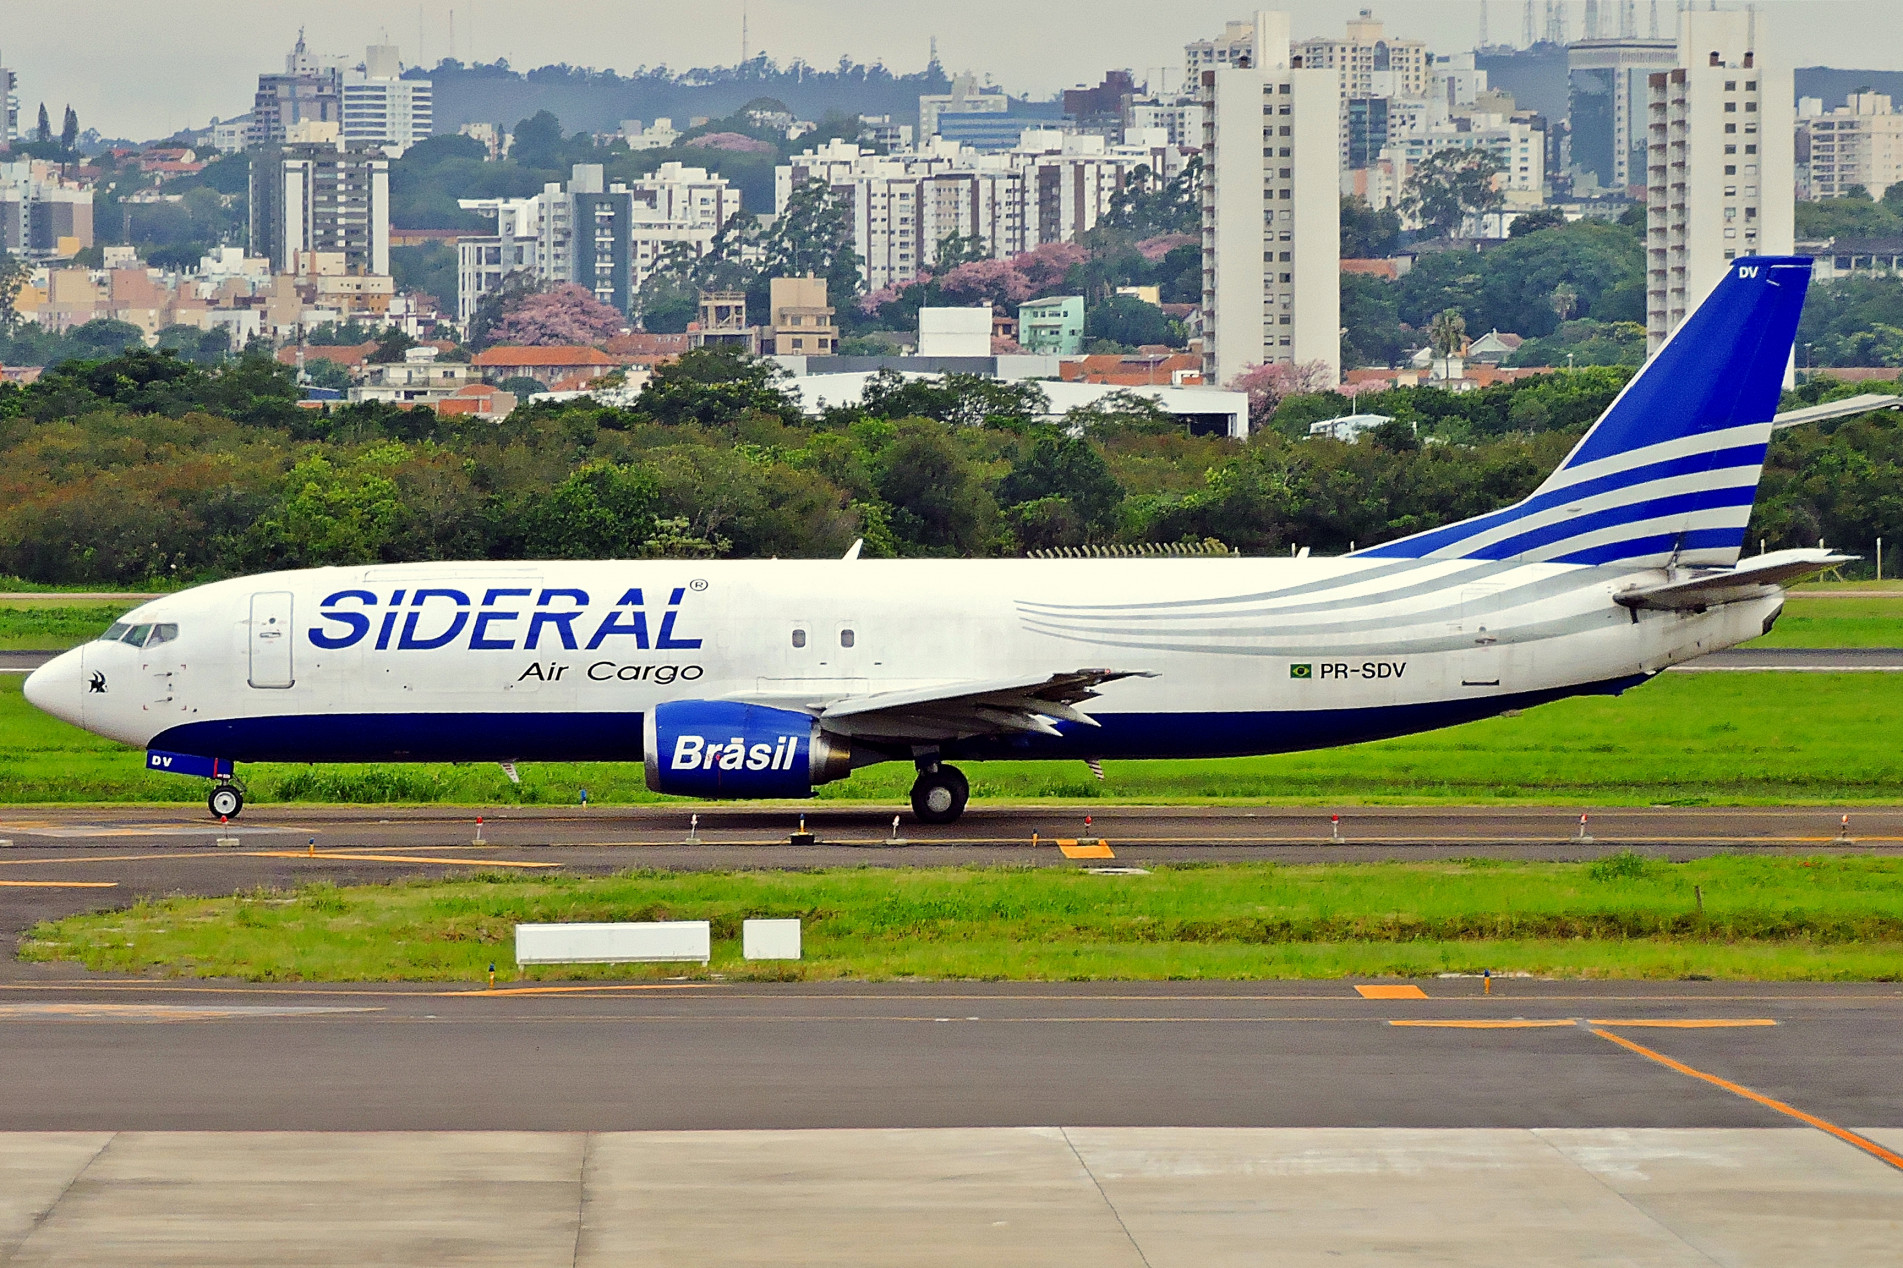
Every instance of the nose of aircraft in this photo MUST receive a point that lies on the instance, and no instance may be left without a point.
(59, 686)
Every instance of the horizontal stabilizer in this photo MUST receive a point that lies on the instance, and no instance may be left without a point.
(1752, 579)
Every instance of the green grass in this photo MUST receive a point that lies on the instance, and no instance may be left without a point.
(1858, 622)
(52, 626)
(1628, 917)
(1682, 738)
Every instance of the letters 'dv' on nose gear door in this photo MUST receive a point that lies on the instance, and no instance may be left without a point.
(271, 640)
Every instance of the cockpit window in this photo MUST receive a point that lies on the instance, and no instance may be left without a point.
(162, 634)
(114, 632)
(136, 635)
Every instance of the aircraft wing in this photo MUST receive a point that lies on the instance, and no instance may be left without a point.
(957, 710)
(1752, 578)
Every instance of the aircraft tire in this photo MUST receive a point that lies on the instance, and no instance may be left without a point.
(939, 796)
(224, 802)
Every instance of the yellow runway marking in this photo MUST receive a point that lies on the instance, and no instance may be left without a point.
(1844, 1134)
(59, 884)
(1391, 992)
(386, 858)
(1515, 1024)
(1702, 1023)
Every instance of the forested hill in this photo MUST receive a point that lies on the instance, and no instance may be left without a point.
(597, 101)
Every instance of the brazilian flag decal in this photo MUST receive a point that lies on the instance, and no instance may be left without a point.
(1301, 671)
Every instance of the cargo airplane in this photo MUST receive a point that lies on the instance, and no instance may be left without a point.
(765, 679)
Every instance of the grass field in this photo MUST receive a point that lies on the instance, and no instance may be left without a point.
(50, 624)
(1683, 738)
(1626, 916)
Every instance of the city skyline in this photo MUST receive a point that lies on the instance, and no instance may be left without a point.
(123, 87)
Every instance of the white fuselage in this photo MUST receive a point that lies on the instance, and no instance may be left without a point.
(561, 660)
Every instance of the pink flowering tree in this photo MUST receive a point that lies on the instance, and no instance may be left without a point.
(1269, 385)
(563, 315)
(985, 282)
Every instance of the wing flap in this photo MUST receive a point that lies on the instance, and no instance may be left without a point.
(1030, 705)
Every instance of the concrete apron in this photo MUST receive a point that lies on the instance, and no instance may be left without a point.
(1032, 1196)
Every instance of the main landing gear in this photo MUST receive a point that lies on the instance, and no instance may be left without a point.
(940, 794)
(226, 800)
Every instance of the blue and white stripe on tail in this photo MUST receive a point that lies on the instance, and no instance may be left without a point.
(1669, 472)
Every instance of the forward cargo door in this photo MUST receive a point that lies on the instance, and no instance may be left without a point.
(271, 640)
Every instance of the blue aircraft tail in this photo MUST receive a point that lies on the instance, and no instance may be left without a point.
(1671, 468)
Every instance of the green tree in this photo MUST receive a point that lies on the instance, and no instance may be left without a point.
(1367, 232)
(43, 130)
(1447, 333)
(603, 510)
(813, 238)
(69, 132)
(955, 249)
(1130, 322)
(1448, 186)
(335, 512)
(1535, 220)
(937, 494)
(1070, 467)
(537, 142)
(714, 386)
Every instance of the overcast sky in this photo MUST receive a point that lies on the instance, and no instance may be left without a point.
(144, 68)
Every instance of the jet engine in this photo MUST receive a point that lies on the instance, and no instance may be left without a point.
(728, 749)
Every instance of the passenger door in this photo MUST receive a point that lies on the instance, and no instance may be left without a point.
(271, 640)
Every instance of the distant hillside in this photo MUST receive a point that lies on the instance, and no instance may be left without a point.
(1834, 85)
(597, 101)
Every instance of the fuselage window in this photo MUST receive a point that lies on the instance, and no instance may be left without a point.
(845, 638)
(799, 638)
(114, 632)
(137, 635)
(162, 634)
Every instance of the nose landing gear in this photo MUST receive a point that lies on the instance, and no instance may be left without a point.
(225, 801)
(940, 794)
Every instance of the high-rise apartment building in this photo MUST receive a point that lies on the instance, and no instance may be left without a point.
(382, 108)
(607, 237)
(9, 107)
(1720, 163)
(320, 196)
(1364, 52)
(1608, 82)
(1050, 187)
(311, 90)
(1271, 210)
(1859, 144)
(44, 214)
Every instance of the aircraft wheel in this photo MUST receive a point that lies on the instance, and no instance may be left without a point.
(225, 802)
(940, 795)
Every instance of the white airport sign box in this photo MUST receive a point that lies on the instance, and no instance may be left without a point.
(619, 943)
(770, 939)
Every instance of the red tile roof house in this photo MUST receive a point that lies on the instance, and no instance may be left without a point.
(546, 364)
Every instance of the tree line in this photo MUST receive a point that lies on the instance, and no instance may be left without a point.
(146, 469)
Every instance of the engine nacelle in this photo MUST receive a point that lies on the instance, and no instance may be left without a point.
(726, 749)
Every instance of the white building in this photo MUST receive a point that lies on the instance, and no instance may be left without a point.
(1518, 147)
(1271, 215)
(1365, 51)
(630, 229)
(317, 196)
(1720, 161)
(655, 136)
(1858, 143)
(676, 204)
(1050, 188)
(484, 263)
(382, 108)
